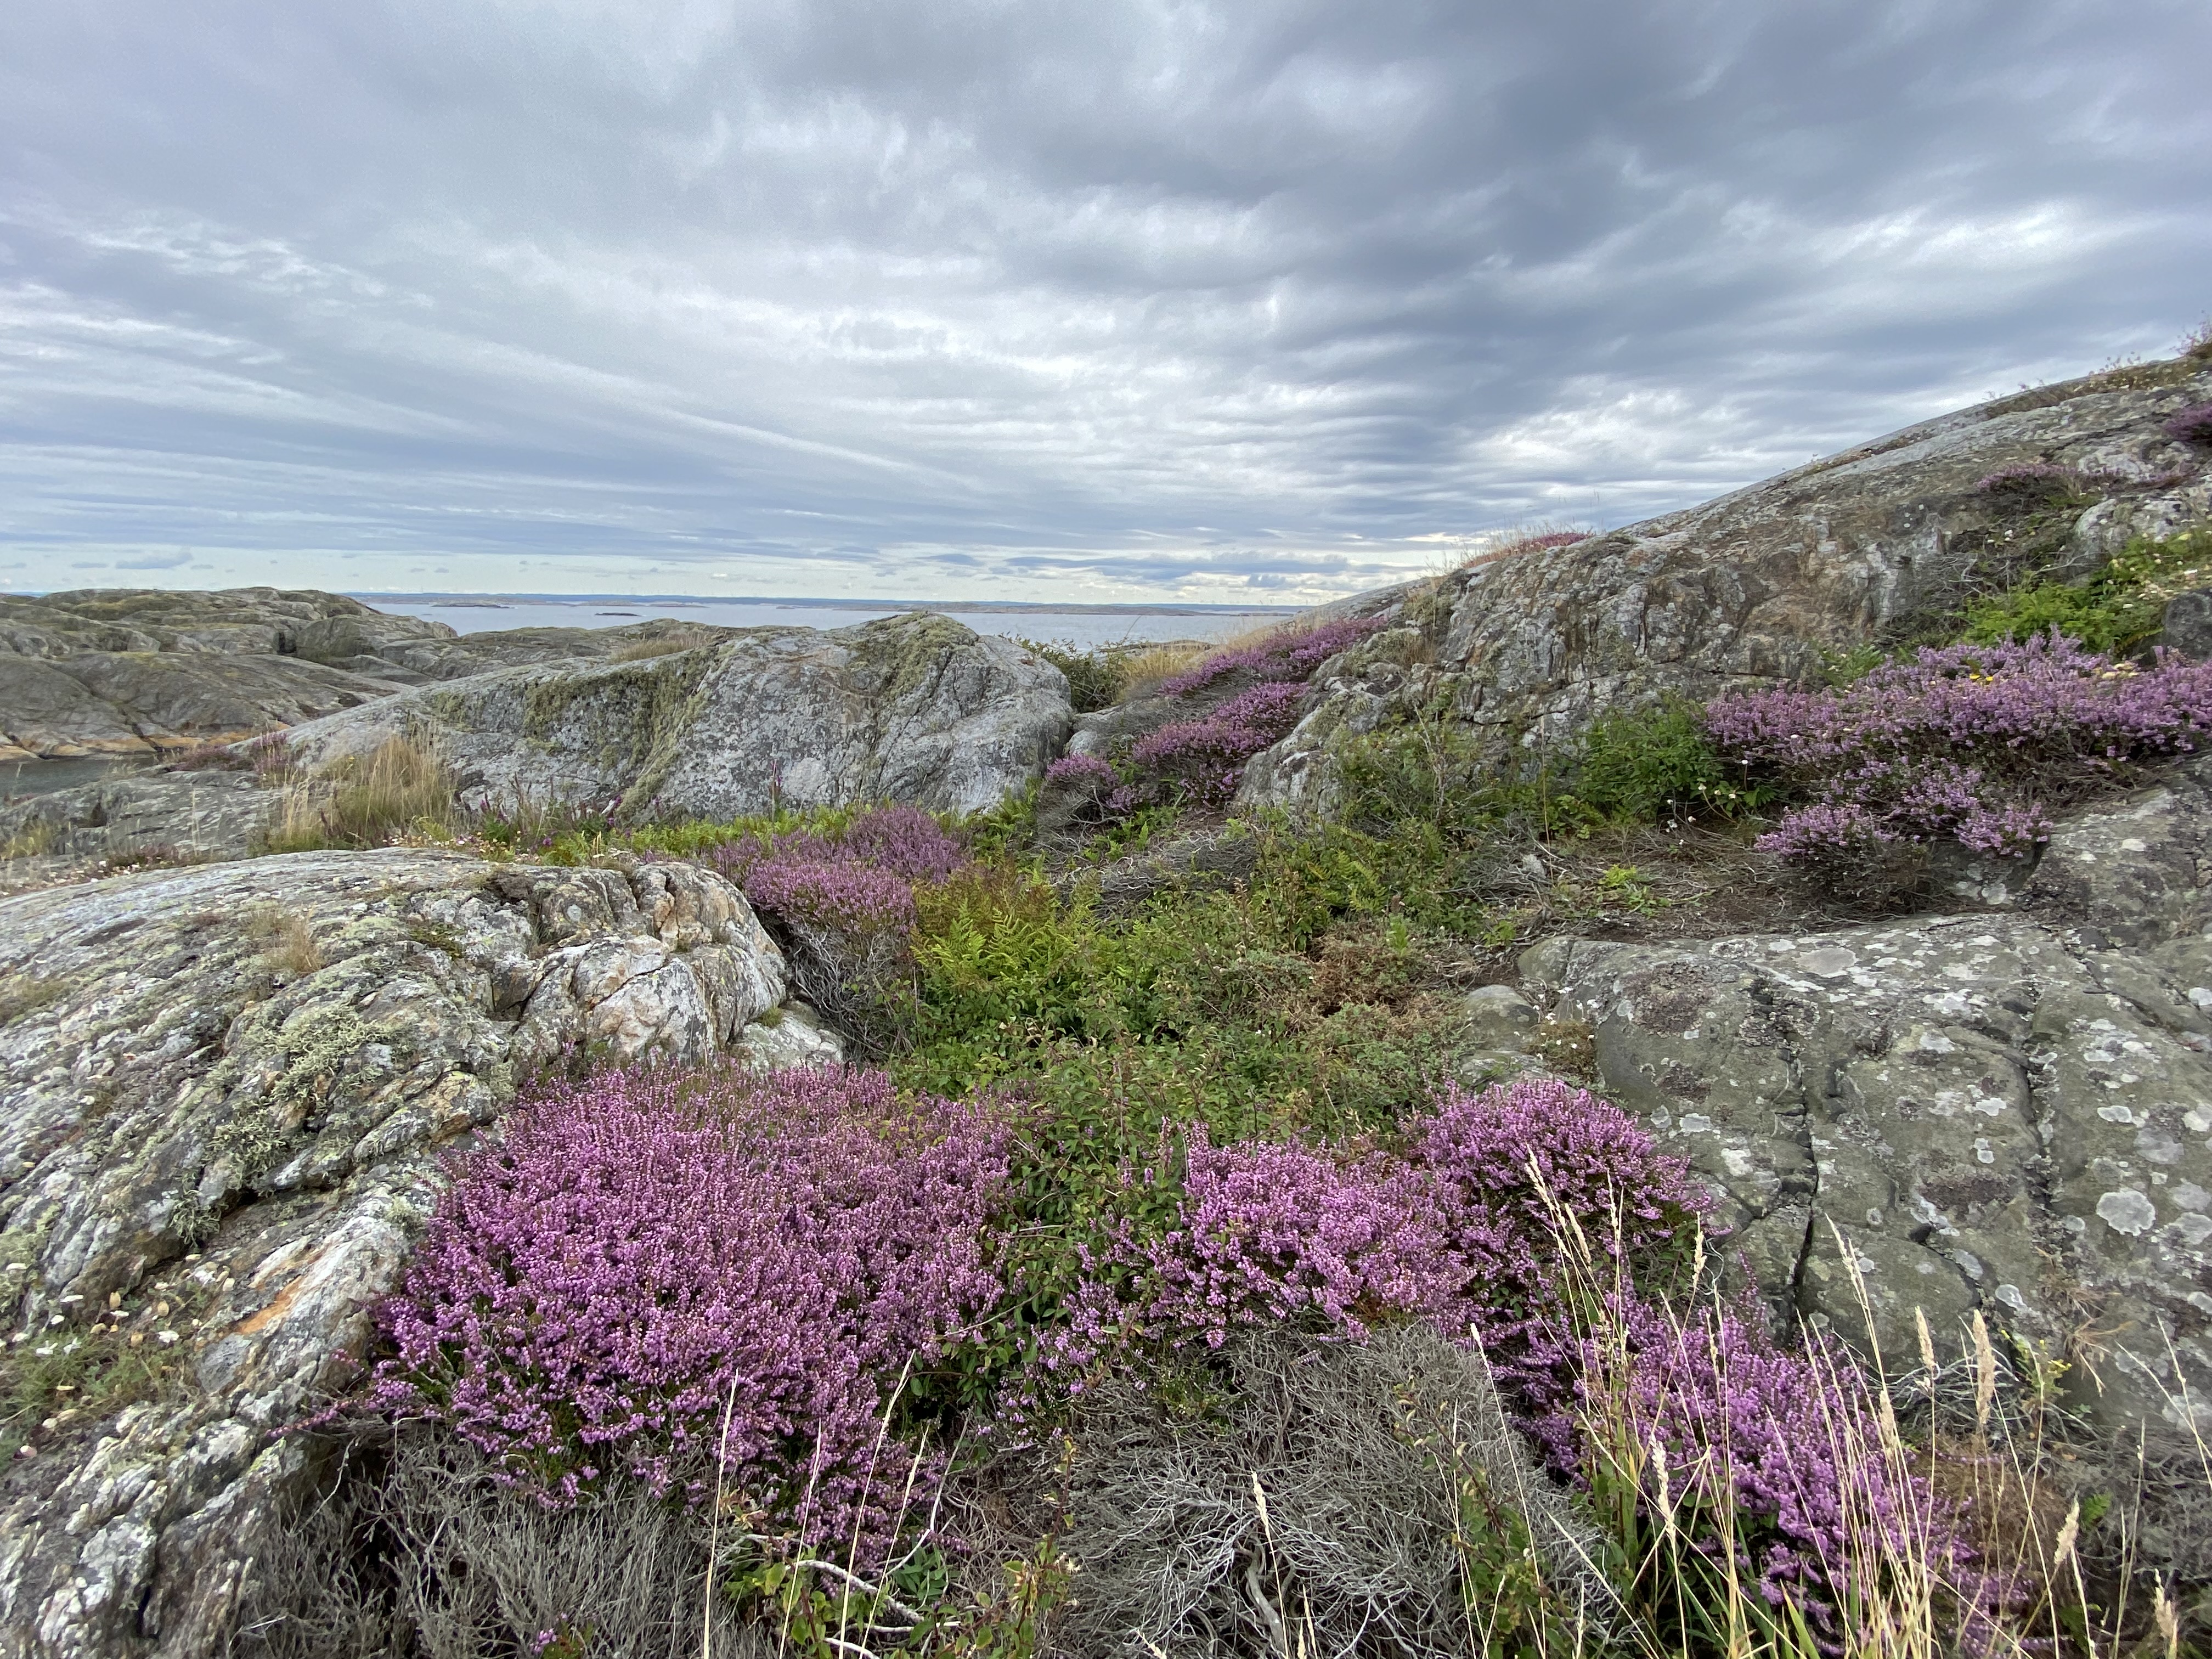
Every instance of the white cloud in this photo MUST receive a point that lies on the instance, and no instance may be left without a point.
(974, 298)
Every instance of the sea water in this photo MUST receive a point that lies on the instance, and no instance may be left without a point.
(1081, 626)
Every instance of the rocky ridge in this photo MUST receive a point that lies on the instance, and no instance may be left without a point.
(1750, 589)
(132, 672)
(914, 709)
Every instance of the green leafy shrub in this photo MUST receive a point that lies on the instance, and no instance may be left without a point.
(2116, 611)
(1094, 677)
(1644, 764)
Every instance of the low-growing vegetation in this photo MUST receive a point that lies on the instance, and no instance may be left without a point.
(1162, 1280)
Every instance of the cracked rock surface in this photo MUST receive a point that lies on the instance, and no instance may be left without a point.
(2009, 1111)
(226, 1090)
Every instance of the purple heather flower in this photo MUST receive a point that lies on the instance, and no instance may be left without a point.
(1289, 657)
(2191, 425)
(1964, 742)
(646, 1252)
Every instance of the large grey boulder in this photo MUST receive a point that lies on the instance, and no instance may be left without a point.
(224, 1097)
(1753, 587)
(2008, 1112)
(914, 709)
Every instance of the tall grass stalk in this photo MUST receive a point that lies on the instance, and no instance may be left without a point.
(364, 800)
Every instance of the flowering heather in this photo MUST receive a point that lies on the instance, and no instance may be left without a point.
(844, 901)
(1081, 771)
(645, 1249)
(1965, 741)
(852, 897)
(1205, 758)
(1460, 1230)
(2031, 482)
(2192, 425)
(902, 841)
(1280, 657)
(1266, 1233)
(1775, 1454)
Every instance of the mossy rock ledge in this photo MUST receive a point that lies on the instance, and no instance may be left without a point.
(224, 1092)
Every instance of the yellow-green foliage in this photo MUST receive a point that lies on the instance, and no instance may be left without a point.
(34, 840)
(80, 1373)
(25, 994)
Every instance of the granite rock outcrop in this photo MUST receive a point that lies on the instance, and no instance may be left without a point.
(226, 1093)
(914, 708)
(2007, 1110)
(1757, 586)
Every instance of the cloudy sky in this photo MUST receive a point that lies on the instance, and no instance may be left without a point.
(1099, 300)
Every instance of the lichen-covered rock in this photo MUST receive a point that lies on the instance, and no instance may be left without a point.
(914, 708)
(793, 1035)
(2188, 624)
(2009, 1111)
(1754, 586)
(190, 814)
(226, 1090)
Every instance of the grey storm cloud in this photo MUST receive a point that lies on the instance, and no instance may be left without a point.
(1098, 299)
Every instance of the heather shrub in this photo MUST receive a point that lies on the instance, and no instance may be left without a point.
(2033, 484)
(703, 1282)
(841, 902)
(2191, 425)
(1080, 770)
(1460, 1228)
(1971, 742)
(1283, 655)
(1745, 1483)
(1507, 1164)
(1077, 794)
(1201, 761)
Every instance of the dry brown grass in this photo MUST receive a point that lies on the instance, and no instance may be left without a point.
(364, 800)
(286, 939)
(685, 638)
(1520, 539)
(1144, 668)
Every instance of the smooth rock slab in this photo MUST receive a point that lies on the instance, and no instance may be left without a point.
(2006, 1112)
(225, 1092)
